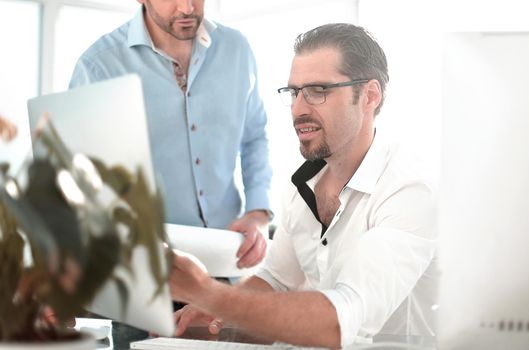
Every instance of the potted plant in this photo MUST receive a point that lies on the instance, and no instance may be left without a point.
(66, 221)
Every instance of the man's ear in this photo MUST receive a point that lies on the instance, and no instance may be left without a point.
(372, 95)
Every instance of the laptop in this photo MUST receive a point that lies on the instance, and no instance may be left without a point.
(107, 120)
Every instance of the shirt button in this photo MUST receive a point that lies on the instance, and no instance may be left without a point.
(200, 193)
(197, 161)
(193, 127)
(188, 94)
(324, 242)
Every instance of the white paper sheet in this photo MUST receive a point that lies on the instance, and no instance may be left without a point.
(215, 248)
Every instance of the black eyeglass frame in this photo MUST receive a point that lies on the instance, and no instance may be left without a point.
(324, 87)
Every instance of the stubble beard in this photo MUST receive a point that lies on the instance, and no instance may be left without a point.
(184, 34)
(322, 151)
(167, 25)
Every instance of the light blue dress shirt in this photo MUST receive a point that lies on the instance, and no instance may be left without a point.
(195, 136)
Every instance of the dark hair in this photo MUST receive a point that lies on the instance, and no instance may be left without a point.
(362, 57)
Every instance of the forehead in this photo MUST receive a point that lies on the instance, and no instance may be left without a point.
(317, 66)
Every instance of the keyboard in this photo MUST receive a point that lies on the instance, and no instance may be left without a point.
(180, 343)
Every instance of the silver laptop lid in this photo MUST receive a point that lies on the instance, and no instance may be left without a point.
(107, 120)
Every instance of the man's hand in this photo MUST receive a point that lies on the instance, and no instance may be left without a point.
(254, 226)
(8, 130)
(187, 279)
(192, 316)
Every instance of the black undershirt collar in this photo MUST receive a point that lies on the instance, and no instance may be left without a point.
(306, 172)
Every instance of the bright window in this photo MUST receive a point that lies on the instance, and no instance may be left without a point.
(41, 41)
(19, 40)
(76, 29)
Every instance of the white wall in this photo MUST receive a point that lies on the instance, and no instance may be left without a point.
(411, 33)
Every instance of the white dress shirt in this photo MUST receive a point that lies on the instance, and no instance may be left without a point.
(375, 261)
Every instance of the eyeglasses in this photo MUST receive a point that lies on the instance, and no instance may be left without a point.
(314, 94)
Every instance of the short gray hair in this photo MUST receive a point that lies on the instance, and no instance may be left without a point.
(362, 57)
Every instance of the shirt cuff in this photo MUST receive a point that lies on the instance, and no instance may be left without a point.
(349, 311)
(257, 199)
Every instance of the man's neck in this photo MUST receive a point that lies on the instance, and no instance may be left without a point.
(179, 50)
(340, 169)
(342, 166)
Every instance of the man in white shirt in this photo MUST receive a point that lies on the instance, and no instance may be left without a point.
(354, 253)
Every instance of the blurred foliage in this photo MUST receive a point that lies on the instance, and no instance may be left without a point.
(80, 219)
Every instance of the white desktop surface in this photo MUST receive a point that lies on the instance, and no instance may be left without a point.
(381, 341)
(97, 328)
(233, 339)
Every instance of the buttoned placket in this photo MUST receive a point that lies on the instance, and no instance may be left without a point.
(182, 81)
(324, 246)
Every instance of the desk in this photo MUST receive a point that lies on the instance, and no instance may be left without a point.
(119, 337)
(428, 343)
(123, 334)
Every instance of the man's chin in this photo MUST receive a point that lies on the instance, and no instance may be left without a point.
(311, 156)
(185, 35)
(314, 154)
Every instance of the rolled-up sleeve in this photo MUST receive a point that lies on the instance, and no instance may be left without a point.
(349, 311)
(387, 261)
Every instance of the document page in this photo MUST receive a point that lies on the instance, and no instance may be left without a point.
(215, 248)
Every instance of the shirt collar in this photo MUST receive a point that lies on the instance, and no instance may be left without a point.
(307, 171)
(366, 176)
(204, 32)
(139, 35)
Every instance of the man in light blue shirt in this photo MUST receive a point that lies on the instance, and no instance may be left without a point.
(203, 109)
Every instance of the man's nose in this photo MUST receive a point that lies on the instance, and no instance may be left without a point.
(186, 6)
(299, 106)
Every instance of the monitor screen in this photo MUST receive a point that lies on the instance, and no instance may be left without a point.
(484, 204)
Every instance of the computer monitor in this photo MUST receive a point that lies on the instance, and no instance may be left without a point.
(484, 203)
(107, 120)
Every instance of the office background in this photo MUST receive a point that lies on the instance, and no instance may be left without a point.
(41, 40)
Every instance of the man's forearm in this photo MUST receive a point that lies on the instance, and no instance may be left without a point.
(301, 318)
(255, 283)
